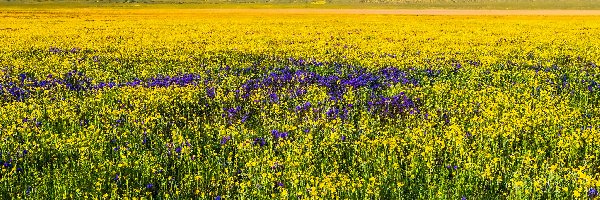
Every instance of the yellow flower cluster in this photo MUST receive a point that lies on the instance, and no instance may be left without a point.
(137, 104)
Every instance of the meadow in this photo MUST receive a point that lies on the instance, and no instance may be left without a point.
(170, 103)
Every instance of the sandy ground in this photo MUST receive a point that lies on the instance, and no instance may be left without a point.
(405, 12)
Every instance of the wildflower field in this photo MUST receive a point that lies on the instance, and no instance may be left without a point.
(202, 104)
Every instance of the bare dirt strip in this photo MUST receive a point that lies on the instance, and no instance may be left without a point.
(404, 11)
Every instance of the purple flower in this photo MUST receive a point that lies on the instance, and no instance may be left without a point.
(7, 164)
(274, 97)
(54, 50)
(343, 138)
(277, 135)
(592, 193)
(19, 93)
(332, 113)
(210, 92)
(218, 197)
(457, 66)
(300, 92)
(178, 150)
(75, 50)
(344, 114)
(446, 119)
(225, 139)
(259, 141)
(303, 107)
(463, 198)
(395, 106)
(149, 186)
(455, 167)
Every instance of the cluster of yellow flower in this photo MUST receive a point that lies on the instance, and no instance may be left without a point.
(192, 104)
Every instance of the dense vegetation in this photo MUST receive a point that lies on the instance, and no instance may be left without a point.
(191, 104)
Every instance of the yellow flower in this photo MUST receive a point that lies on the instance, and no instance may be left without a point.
(519, 184)
(576, 194)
